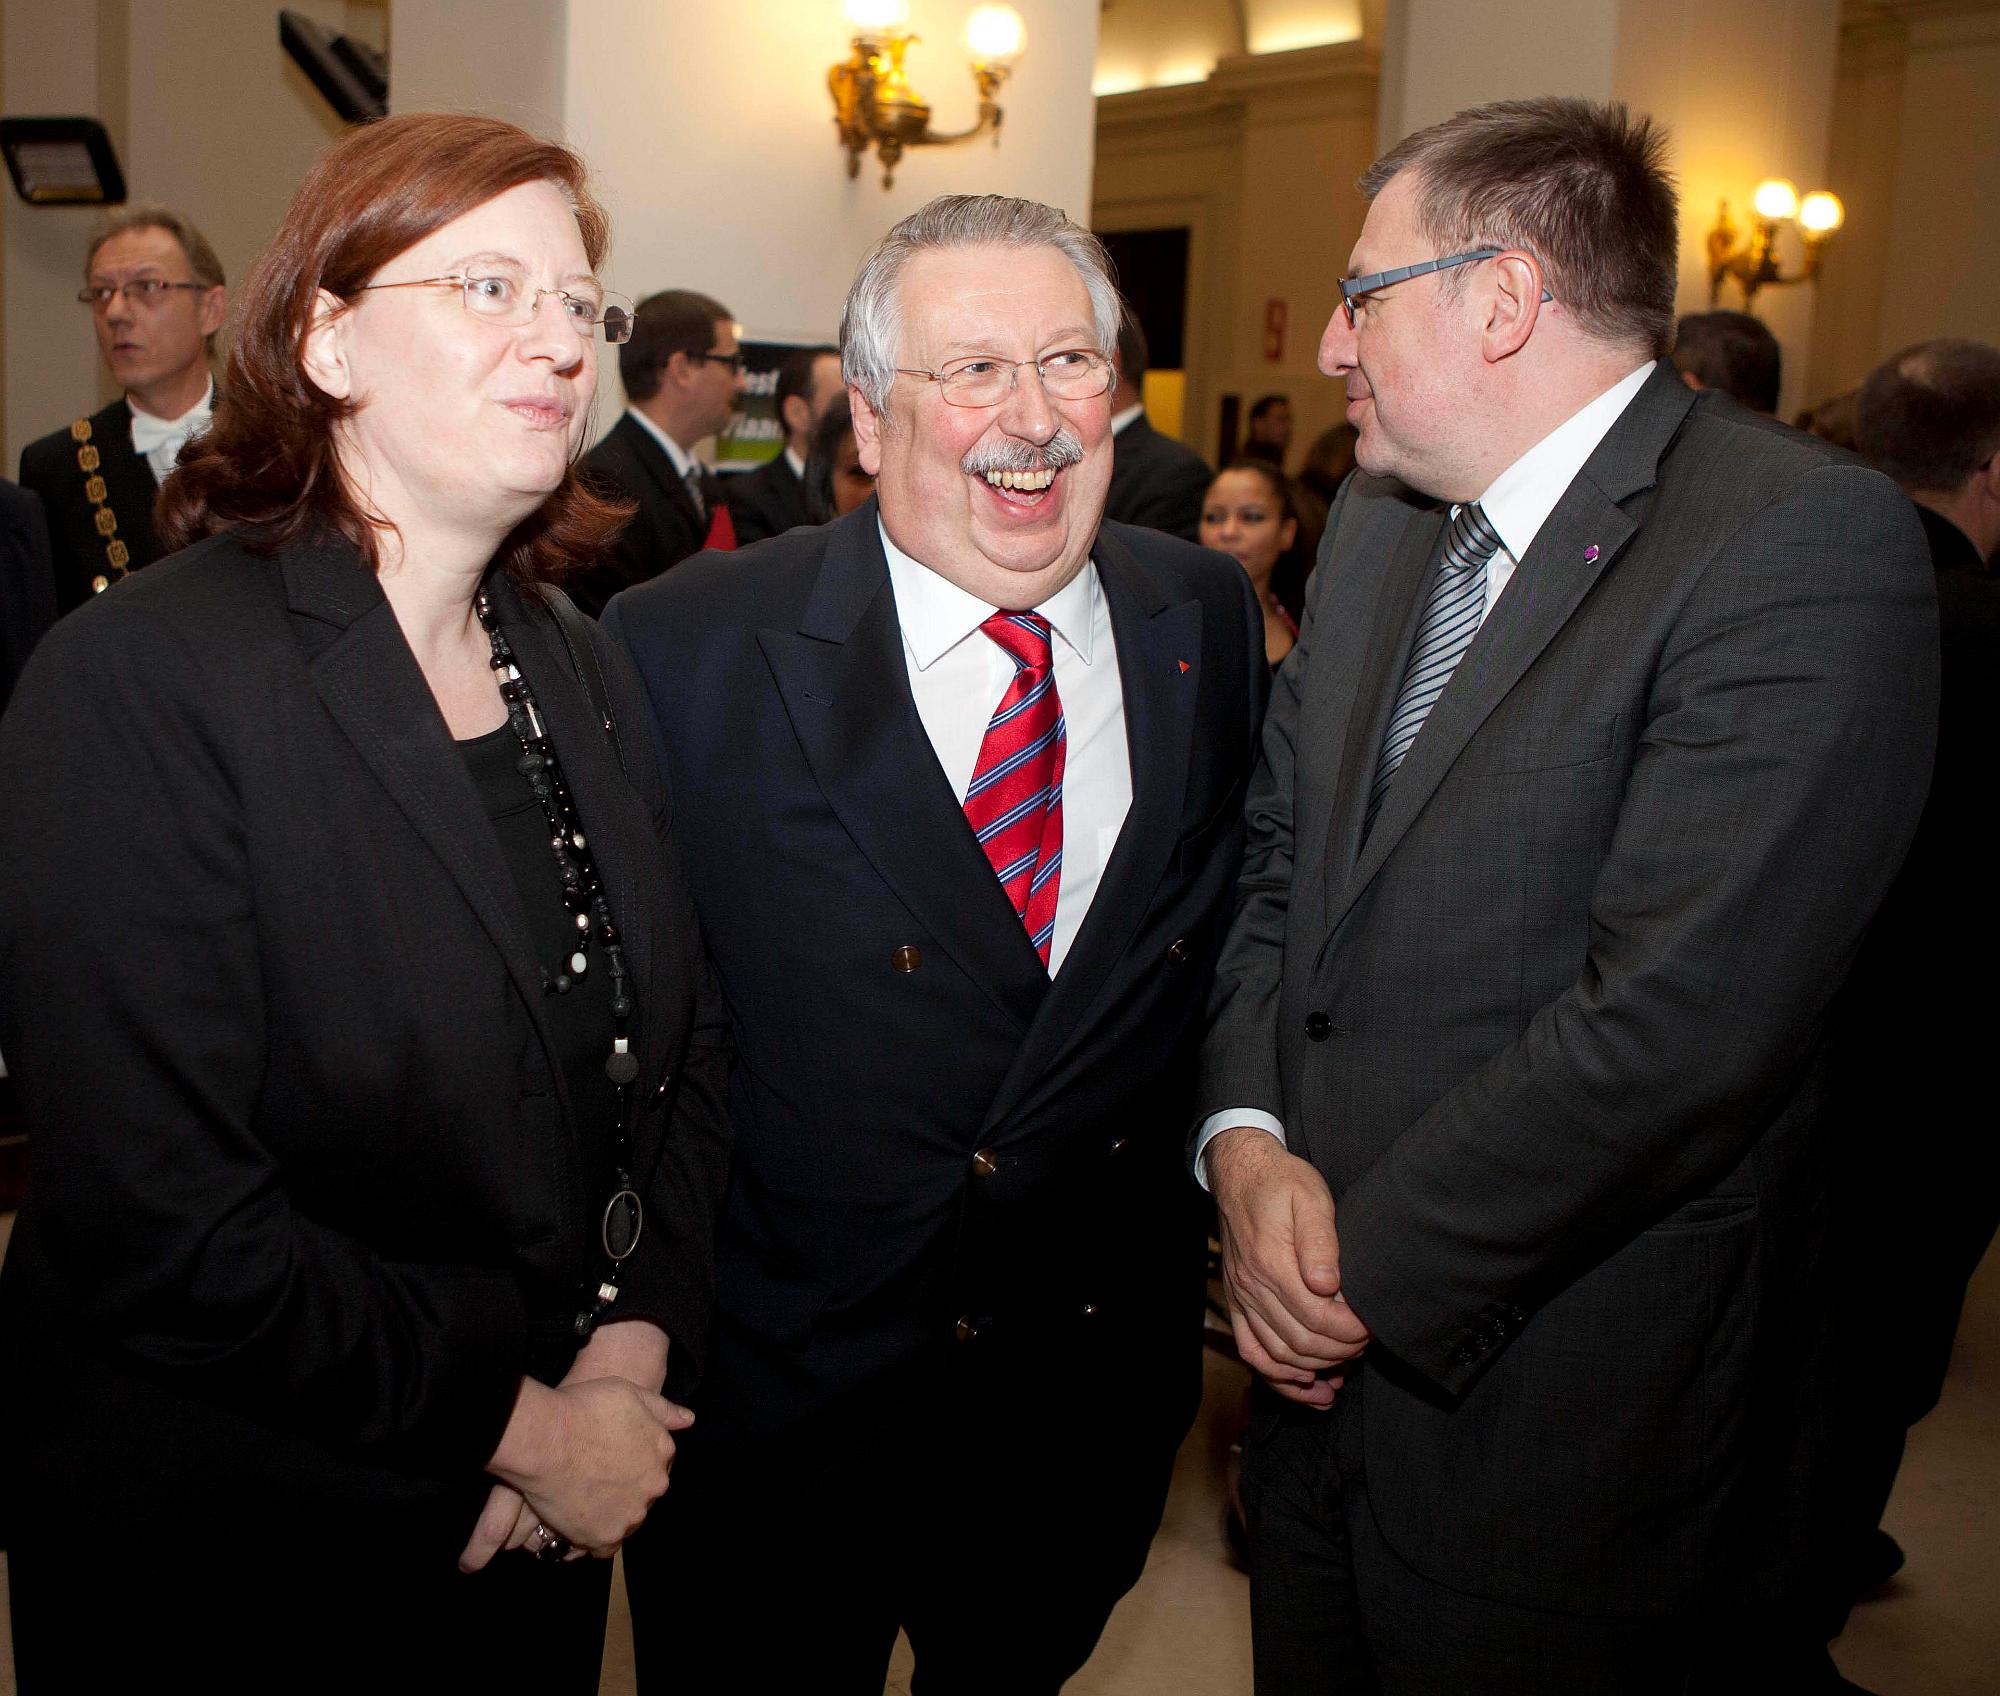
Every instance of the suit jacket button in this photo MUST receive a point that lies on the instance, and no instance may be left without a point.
(907, 958)
(966, 1329)
(985, 1163)
(1178, 952)
(1318, 1027)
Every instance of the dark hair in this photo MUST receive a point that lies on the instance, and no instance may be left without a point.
(1930, 416)
(1832, 420)
(670, 322)
(267, 463)
(1275, 480)
(1583, 187)
(1329, 460)
(1265, 403)
(1132, 349)
(822, 451)
(1733, 352)
(795, 379)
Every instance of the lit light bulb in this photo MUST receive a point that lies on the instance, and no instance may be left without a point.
(870, 17)
(1820, 213)
(994, 34)
(1776, 199)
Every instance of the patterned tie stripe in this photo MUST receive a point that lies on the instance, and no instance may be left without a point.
(1451, 619)
(1014, 802)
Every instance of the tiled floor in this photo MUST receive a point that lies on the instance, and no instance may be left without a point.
(1934, 1632)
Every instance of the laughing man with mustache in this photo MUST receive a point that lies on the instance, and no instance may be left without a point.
(960, 781)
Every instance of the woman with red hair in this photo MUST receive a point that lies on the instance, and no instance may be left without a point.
(359, 1019)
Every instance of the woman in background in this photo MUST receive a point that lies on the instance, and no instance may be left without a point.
(834, 481)
(353, 995)
(1248, 513)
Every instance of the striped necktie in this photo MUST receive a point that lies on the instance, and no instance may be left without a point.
(1014, 803)
(1451, 619)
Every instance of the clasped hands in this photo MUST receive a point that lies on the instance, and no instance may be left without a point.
(587, 1458)
(1281, 1266)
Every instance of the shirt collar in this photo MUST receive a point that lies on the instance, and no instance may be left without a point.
(683, 460)
(937, 615)
(1518, 502)
(196, 414)
(1119, 420)
(797, 464)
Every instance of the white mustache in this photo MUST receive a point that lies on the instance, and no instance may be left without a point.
(1061, 449)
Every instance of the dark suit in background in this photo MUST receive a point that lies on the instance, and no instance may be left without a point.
(27, 582)
(1915, 1033)
(1156, 481)
(766, 502)
(961, 1265)
(631, 465)
(1552, 1032)
(49, 467)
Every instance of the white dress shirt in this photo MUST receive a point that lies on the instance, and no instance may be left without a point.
(684, 462)
(1517, 504)
(158, 441)
(958, 675)
(1121, 421)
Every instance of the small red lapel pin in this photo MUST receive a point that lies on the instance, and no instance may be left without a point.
(1182, 664)
(1590, 554)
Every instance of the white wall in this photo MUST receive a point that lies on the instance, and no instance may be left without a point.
(712, 134)
(52, 370)
(208, 117)
(506, 58)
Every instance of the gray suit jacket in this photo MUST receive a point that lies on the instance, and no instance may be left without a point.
(1553, 1033)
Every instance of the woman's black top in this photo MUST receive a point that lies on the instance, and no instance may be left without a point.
(580, 1018)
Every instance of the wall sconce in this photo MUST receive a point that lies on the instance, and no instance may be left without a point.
(874, 105)
(1754, 263)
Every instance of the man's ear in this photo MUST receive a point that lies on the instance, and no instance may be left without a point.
(795, 417)
(213, 309)
(1513, 299)
(323, 354)
(869, 428)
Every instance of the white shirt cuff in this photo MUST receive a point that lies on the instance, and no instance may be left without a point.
(1216, 1123)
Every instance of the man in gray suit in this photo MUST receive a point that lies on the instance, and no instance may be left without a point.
(1608, 725)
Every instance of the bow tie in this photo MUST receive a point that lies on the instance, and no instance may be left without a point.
(150, 433)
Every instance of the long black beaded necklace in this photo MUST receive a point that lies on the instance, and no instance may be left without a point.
(590, 910)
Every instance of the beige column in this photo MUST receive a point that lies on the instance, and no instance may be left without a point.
(1745, 88)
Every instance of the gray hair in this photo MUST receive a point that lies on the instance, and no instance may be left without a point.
(871, 323)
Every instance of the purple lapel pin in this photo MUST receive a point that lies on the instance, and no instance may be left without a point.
(1590, 554)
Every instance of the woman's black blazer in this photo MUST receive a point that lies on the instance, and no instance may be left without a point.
(306, 1194)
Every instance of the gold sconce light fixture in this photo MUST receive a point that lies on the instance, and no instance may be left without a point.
(1754, 262)
(873, 103)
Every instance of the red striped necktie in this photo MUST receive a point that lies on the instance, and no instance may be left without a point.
(1014, 804)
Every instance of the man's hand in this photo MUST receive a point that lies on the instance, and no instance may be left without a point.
(1281, 1266)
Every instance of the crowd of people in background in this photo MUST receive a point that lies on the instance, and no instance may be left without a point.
(528, 965)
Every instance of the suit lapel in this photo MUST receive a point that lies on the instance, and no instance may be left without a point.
(846, 688)
(1155, 637)
(659, 466)
(370, 682)
(1574, 547)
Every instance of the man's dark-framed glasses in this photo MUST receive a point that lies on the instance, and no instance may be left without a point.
(1354, 288)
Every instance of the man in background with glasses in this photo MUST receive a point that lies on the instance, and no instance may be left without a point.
(683, 374)
(154, 292)
(1609, 721)
(959, 780)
